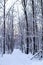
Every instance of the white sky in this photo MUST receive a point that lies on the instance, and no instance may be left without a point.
(17, 7)
(9, 3)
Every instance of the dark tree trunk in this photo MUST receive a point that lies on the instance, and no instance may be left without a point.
(42, 25)
(4, 31)
(33, 25)
(27, 39)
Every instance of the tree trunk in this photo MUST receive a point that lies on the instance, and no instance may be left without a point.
(4, 31)
(33, 27)
(27, 39)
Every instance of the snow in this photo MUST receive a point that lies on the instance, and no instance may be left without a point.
(19, 58)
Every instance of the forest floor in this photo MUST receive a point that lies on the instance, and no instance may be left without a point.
(19, 58)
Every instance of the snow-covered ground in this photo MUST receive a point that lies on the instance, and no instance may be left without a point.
(19, 58)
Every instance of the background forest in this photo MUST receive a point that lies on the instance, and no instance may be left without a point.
(21, 26)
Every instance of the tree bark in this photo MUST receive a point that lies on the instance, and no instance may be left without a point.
(33, 27)
(4, 31)
(27, 39)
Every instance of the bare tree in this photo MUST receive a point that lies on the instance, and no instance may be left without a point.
(12, 39)
(24, 2)
(4, 31)
(33, 26)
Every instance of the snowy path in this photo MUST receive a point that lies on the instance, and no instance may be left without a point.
(18, 58)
